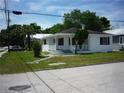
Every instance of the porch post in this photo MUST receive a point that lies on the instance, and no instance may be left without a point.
(70, 41)
(56, 42)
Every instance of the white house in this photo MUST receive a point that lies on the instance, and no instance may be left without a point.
(96, 42)
(118, 38)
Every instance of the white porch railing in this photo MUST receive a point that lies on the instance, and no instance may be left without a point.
(83, 48)
(52, 47)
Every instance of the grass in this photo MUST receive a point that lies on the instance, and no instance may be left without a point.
(83, 60)
(13, 62)
(17, 62)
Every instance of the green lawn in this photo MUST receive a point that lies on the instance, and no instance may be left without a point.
(82, 60)
(17, 62)
(14, 62)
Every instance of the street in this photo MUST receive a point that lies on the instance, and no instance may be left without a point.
(106, 78)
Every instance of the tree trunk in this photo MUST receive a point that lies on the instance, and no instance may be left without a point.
(76, 45)
(29, 42)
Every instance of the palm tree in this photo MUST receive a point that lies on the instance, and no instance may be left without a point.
(29, 30)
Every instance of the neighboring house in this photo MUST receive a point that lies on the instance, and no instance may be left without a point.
(118, 38)
(96, 42)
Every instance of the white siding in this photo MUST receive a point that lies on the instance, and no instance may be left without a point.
(50, 45)
(94, 43)
(45, 47)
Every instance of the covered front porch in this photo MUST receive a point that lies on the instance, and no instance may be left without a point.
(64, 42)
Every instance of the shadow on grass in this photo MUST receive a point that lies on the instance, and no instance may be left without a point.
(40, 56)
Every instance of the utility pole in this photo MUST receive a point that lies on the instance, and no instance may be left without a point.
(8, 23)
(7, 15)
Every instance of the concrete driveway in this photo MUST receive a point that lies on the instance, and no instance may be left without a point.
(106, 78)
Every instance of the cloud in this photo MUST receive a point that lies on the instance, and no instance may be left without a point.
(1, 3)
(36, 6)
(110, 9)
(54, 8)
(17, 0)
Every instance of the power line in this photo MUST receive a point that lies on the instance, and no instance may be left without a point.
(42, 14)
(118, 21)
(52, 15)
(33, 13)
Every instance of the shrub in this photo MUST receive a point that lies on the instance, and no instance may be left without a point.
(36, 48)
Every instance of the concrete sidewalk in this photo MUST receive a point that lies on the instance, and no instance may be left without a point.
(3, 50)
(106, 78)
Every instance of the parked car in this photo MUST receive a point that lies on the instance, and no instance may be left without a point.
(16, 48)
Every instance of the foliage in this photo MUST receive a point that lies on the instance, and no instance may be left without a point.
(3, 38)
(14, 62)
(17, 34)
(105, 23)
(80, 37)
(75, 18)
(36, 48)
(54, 29)
(14, 36)
(72, 19)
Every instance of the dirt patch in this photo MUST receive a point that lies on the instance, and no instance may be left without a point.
(56, 64)
(19, 88)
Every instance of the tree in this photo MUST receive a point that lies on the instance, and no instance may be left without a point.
(31, 29)
(80, 37)
(90, 20)
(16, 36)
(28, 31)
(76, 18)
(105, 23)
(18, 33)
(93, 22)
(72, 19)
(3, 38)
(54, 29)
(35, 28)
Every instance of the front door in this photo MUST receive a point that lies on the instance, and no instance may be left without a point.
(60, 43)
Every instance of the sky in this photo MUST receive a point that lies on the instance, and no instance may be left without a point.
(112, 9)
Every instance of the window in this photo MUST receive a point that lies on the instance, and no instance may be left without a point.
(80, 46)
(44, 41)
(121, 39)
(104, 41)
(61, 41)
(73, 41)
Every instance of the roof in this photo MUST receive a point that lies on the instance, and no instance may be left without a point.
(64, 32)
(73, 30)
(119, 31)
(41, 36)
